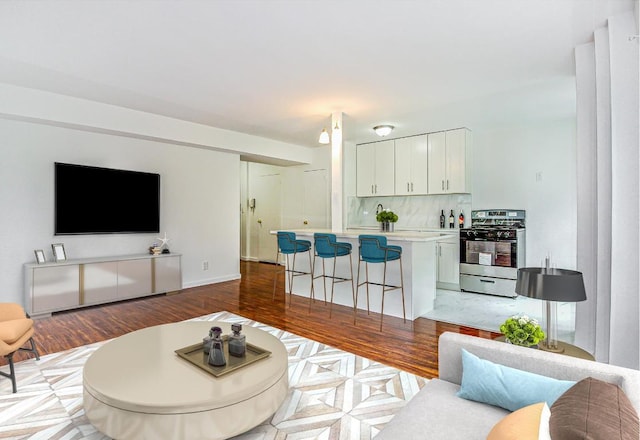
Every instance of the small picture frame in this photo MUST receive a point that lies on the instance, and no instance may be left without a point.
(58, 252)
(40, 258)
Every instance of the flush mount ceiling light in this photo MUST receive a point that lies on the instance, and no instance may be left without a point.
(324, 137)
(383, 130)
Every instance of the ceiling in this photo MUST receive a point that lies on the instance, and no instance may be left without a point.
(278, 69)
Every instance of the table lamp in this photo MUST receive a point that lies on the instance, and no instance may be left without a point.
(551, 285)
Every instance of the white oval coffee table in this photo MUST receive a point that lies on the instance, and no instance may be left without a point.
(137, 387)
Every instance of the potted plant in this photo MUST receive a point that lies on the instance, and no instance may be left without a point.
(387, 218)
(522, 330)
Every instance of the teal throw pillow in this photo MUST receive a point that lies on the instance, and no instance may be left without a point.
(508, 388)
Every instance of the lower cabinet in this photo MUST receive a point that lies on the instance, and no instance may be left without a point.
(100, 282)
(134, 278)
(54, 288)
(448, 264)
(167, 275)
(70, 284)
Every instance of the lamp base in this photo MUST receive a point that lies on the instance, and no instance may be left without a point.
(557, 349)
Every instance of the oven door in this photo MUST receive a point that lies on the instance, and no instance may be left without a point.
(503, 253)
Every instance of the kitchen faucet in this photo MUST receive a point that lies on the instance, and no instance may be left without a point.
(379, 208)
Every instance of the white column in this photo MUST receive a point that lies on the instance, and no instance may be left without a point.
(625, 192)
(337, 159)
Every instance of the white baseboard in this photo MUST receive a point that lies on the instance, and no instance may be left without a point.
(216, 280)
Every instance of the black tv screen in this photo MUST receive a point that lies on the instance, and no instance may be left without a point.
(93, 200)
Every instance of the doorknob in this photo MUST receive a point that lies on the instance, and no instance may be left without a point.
(306, 222)
(259, 221)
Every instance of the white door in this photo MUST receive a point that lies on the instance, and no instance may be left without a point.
(265, 196)
(419, 165)
(403, 149)
(437, 155)
(385, 181)
(316, 200)
(365, 170)
(411, 165)
(448, 263)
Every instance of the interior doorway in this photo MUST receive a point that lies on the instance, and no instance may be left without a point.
(265, 215)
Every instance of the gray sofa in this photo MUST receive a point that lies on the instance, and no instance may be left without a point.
(437, 413)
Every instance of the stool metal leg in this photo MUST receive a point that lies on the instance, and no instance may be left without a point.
(384, 289)
(312, 293)
(275, 275)
(404, 313)
(333, 281)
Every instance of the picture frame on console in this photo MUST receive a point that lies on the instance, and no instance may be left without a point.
(40, 258)
(58, 252)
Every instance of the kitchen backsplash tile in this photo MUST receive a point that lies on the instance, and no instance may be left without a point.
(414, 212)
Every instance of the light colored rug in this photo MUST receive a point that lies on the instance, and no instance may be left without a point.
(332, 394)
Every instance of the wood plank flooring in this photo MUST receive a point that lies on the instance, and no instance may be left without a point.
(410, 346)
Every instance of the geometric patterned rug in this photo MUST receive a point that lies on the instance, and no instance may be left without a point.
(333, 394)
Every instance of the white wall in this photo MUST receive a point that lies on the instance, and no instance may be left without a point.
(199, 208)
(506, 164)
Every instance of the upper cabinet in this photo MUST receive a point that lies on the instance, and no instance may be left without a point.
(374, 169)
(449, 162)
(411, 165)
(433, 163)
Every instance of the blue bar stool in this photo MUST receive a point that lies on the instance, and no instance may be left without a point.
(326, 246)
(374, 249)
(289, 245)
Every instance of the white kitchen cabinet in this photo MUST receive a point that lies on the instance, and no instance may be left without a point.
(449, 162)
(448, 264)
(411, 165)
(375, 169)
(70, 284)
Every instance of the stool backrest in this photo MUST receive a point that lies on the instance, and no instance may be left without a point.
(322, 242)
(287, 241)
(372, 247)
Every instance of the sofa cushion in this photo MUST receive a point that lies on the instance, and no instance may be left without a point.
(528, 423)
(436, 413)
(506, 387)
(11, 331)
(595, 410)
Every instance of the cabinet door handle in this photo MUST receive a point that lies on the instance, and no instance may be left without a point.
(372, 190)
(376, 186)
(447, 183)
(407, 186)
(443, 185)
(411, 186)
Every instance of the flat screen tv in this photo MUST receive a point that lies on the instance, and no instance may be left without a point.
(93, 200)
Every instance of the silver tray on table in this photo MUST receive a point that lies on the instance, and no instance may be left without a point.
(196, 355)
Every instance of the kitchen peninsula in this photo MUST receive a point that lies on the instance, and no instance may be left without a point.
(418, 263)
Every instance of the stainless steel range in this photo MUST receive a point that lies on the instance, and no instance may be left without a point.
(491, 251)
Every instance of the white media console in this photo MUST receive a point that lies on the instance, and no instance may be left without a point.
(52, 287)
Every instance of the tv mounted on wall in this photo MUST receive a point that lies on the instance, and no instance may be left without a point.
(93, 200)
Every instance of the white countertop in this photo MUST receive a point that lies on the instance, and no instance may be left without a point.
(441, 234)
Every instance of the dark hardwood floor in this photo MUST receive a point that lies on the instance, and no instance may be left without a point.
(410, 346)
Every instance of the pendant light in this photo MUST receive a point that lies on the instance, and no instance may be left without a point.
(324, 137)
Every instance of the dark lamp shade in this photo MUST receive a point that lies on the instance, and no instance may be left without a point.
(550, 284)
